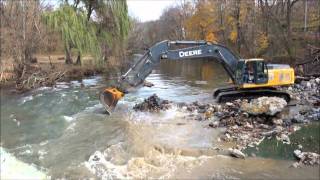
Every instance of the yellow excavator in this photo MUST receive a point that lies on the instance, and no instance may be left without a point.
(251, 78)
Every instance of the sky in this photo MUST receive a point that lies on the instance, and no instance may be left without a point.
(148, 10)
(144, 10)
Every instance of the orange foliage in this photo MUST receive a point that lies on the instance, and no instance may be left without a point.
(211, 37)
(202, 24)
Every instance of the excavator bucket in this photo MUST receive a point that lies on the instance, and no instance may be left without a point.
(109, 98)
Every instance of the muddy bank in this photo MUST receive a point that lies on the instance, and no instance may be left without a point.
(36, 76)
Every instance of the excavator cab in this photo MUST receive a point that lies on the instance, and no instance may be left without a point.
(251, 71)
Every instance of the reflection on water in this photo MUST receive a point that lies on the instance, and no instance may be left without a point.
(195, 70)
(60, 128)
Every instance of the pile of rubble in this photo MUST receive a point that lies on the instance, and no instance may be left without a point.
(153, 104)
(306, 92)
(306, 158)
(248, 123)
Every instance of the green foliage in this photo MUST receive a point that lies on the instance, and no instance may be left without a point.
(74, 29)
(120, 11)
(114, 23)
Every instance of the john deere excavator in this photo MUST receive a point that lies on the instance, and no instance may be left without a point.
(251, 77)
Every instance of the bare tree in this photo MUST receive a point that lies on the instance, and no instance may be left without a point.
(21, 32)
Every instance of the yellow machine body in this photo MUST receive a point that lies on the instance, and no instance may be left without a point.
(276, 77)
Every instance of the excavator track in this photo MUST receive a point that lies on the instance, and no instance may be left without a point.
(217, 91)
(226, 96)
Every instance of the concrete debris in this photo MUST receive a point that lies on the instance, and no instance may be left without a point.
(236, 153)
(264, 105)
(306, 92)
(307, 158)
(248, 123)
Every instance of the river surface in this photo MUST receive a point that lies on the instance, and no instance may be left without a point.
(59, 129)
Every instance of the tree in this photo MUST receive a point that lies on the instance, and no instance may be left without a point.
(76, 32)
(21, 32)
(113, 26)
(202, 23)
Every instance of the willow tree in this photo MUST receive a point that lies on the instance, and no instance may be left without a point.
(76, 32)
(113, 26)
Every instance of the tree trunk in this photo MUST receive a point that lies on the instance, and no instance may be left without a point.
(78, 62)
(68, 56)
(237, 16)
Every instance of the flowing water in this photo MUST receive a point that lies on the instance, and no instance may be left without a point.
(60, 130)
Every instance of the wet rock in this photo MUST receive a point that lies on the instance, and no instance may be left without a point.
(298, 118)
(199, 118)
(226, 137)
(148, 84)
(308, 85)
(264, 105)
(277, 121)
(284, 138)
(314, 115)
(297, 153)
(307, 158)
(153, 104)
(269, 133)
(248, 126)
(296, 165)
(236, 153)
(214, 124)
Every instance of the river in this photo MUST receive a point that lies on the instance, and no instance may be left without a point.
(59, 129)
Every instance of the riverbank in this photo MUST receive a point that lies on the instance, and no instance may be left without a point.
(49, 69)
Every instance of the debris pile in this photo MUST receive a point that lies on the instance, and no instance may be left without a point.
(306, 92)
(153, 104)
(306, 158)
(248, 123)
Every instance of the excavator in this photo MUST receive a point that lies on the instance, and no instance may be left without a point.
(251, 78)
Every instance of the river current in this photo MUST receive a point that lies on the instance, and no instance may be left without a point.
(62, 129)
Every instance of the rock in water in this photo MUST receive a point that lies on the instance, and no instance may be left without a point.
(153, 104)
(264, 105)
(236, 153)
(297, 153)
(307, 158)
(148, 84)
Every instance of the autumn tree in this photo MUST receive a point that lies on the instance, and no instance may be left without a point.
(201, 25)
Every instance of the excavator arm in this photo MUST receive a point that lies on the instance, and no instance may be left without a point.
(168, 50)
